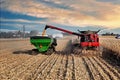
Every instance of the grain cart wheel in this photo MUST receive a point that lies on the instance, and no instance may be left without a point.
(49, 51)
(34, 52)
(54, 44)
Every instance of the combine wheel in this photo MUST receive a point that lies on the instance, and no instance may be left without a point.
(76, 50)
(84, 50)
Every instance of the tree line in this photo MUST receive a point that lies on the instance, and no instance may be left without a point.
(16, 34)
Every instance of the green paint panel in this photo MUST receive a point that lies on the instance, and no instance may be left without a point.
(41, 43)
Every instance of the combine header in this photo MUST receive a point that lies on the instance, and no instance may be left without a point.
(88, 40)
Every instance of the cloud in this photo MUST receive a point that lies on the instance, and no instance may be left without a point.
(73, 12)
(21, 21)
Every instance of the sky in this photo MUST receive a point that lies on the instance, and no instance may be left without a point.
(67, 14)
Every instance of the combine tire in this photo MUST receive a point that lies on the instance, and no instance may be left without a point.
(87, 52)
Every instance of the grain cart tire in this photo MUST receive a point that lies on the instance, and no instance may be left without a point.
(34, 52)
(49, 51)
(54, 44)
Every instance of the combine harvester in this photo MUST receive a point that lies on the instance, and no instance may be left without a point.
(88, 41)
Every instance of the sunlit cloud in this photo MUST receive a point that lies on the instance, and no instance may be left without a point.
(74, 13)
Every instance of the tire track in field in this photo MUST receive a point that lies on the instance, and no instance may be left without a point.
(15, 70)
(27, 72)
(60, 68)
(30, 71)
(7, 66)
(31, 76)
(61, 71)
(73, 68)
(93, 69)
(70, 74)
(53, 73)
(110, 67)
(41, 67)
(12, 59)
(80, 69)
(101, 71)
(49, 67)
(101, 77)
(69, 66)
(7, 70)
(111, 75)
(65, 67)
(91, 76)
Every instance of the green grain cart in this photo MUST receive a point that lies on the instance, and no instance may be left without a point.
(43, 43)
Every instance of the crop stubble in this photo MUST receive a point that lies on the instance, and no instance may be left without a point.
(57, 66)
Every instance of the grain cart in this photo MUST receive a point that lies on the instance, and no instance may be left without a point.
(43, 43)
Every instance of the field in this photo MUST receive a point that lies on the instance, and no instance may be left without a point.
(17, 63)
(111, 44)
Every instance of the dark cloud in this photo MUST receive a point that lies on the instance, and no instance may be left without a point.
(52, 4)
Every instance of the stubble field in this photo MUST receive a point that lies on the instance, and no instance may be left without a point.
(16, 63)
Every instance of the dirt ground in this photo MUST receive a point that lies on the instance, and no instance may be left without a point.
(16, 63)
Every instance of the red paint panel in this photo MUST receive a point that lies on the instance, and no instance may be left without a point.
(85, 44)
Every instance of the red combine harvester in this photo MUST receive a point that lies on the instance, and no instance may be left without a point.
(88, 39)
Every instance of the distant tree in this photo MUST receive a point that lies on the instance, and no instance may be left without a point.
(17, 34)
(108, 34)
